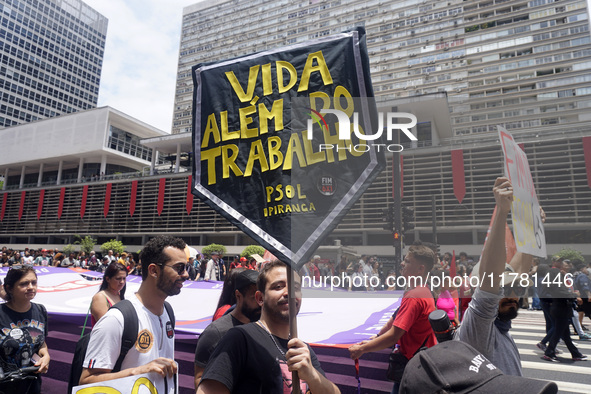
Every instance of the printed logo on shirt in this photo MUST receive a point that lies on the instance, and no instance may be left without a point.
(144, 342)
(286, 377)
(169, 330)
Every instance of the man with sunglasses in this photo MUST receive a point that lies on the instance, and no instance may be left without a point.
(163, 262)
(495, 302)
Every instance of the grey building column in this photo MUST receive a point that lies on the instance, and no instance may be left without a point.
(153, 163)
(103, 170)
(80, 168)
(40, 178)
(177, 165)
(22, 181)
(59, 172)
(5, 179)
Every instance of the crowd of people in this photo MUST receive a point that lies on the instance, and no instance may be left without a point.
(80, 259)
(248, 346)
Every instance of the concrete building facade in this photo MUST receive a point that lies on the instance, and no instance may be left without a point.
(520, 64)
(51, 56)
(96, 144)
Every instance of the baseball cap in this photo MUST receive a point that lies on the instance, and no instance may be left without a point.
(243, 259)
(245, 278)
(456, 367)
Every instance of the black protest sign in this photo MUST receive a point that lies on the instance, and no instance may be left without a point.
(280, 140)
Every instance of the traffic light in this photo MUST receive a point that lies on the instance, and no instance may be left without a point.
(408, 217)
(396, 235)
(388, 218)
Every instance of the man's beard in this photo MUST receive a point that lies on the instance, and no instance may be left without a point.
(167, 287)
(253, 314)
(510, 313)
(275, 313)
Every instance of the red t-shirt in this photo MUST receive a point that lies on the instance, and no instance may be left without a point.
(220, 312)
(413, 317)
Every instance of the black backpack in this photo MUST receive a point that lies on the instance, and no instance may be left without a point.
(130, 331)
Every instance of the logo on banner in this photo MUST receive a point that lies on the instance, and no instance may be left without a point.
(327, 185)
(345, 126)
(144, 342)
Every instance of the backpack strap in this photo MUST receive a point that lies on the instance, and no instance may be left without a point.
(43, 310)
(130, 330)
(170, 312)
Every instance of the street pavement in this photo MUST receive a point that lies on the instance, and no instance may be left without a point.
(528, 329)
(571, 376)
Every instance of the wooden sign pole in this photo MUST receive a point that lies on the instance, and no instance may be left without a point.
(293, 324)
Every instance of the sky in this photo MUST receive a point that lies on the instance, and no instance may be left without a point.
(141, 57)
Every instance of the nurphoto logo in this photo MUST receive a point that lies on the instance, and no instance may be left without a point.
(344, 123)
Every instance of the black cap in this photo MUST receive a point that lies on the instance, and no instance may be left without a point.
(245, 278)
(457, 367)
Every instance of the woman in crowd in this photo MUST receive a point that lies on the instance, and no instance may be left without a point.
(112, 291)
(15, 259)
(358, 281)
(228, 296)
(375, 273)
(23, 329)
(57, 259)
(446, 300)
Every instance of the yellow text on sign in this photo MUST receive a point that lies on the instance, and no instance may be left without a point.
(111, 390)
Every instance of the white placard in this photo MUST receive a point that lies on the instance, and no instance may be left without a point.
(528, 228)
(148, 383)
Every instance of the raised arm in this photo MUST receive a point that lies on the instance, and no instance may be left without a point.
(494, 255)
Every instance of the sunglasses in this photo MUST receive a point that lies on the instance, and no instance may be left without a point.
(518, 291)
(179, 268)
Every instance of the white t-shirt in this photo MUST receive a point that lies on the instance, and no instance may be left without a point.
(155, 339)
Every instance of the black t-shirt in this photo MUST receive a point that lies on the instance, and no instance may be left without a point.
(211, 336)
(21, 336)
(248, 361)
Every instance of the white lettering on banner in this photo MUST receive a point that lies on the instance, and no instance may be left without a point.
(525, 212)
(79, 284)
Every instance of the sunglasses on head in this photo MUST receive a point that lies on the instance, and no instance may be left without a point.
(516, 290)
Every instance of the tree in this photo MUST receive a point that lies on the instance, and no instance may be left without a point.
(252, 249)
(571, 254)
(114, 245)
(86, 244)
(209, 249)
(68, 249)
